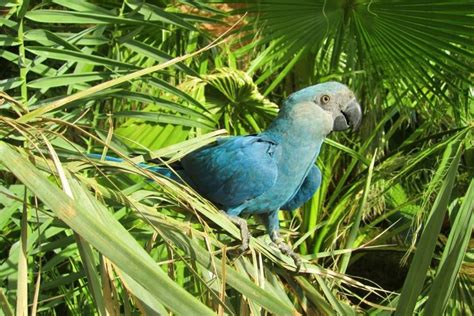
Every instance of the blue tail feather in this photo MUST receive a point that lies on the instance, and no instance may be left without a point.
(106, 158)
(160, 170)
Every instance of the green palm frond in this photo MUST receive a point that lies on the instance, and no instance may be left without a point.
(233, 99)
(425, 46)
(96, 237)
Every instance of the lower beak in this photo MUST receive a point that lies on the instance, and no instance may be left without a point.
(351, 115)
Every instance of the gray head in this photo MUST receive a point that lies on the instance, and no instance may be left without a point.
(334, 102)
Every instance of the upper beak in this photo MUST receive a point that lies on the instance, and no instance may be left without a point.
(351, 115)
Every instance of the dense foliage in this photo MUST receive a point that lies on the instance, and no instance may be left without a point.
(389, 229)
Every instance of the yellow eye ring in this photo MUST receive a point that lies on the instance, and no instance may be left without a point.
(325, 99)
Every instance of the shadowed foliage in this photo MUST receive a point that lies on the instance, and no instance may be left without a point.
(389, 230)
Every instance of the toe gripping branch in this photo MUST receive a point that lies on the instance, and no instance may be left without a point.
(275, 236)
(244, 231)
(286, 249)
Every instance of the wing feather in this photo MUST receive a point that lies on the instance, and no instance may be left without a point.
(234, 170)
(309, 186)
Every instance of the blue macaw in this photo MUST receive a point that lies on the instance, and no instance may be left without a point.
(274, 170)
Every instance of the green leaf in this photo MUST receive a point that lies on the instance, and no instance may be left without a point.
(82, 6)
(157, 55)
(48, 38)
(112, 83)
(153, 13)
(347, 150)
(164, 118)
(76, 56)
(10, 83)
(6, 308)
(452, 258)
(143, 295)
(213, 264)
(357, 218)
(155, 103)
(6, 40)
(424, 249)
(89, 264)
(94, 223)
(69, 79)
(70, 17)
(313, 295)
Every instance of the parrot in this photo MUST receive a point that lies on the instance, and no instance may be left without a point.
(261, 174)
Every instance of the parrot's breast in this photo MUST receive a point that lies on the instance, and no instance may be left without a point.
(293, 166)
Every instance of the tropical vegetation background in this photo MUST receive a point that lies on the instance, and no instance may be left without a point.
(389, 231)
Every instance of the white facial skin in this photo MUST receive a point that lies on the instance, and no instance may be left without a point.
(341, 104)
(317, 110)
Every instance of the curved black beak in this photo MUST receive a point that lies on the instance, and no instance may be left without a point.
(351, 116)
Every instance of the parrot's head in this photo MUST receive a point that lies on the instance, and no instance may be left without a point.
(333, 104)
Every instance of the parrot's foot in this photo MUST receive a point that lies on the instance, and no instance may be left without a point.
(286, 249)
(244, 231)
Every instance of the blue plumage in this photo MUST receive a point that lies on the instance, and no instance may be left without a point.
(310, 185)
(261, 174)
(235, 170)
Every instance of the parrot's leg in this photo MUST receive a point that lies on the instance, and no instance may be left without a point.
(244, 231)
(285, 248)
(274, 232)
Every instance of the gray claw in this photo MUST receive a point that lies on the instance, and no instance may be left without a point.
(244, 231)
(286, 249)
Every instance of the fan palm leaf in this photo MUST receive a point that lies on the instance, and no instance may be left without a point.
(423, 45)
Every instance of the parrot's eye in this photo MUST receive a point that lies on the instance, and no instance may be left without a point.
(325, 99)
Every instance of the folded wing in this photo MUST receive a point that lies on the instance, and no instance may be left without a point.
(234, 170)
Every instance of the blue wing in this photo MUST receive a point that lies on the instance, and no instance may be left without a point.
(233, 170)
(310, 184)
